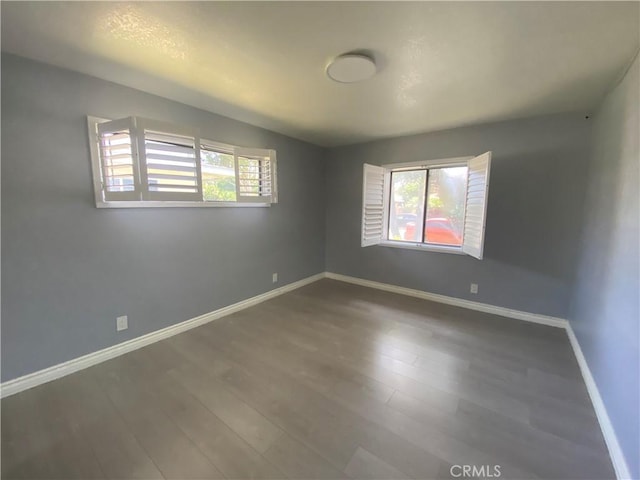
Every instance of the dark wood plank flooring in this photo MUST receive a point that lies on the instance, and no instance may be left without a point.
(329, 381)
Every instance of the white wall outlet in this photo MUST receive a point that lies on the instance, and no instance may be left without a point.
(122, 323)
(474, 288)
(274, 277)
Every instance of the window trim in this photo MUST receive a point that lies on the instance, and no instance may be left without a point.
(176, 204)
(96, 172)
(425, 247)
(439, 163)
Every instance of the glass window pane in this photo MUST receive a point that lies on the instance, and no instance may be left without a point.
(218, 175)
(406, 210)
(445, 205)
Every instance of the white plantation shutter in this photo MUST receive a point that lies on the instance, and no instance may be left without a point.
(476, 205)
(255, 175)
(119, 173)
(170, 169)
(140, 162)
(373, 205)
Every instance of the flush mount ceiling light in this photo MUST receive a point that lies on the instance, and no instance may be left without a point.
(351, 68)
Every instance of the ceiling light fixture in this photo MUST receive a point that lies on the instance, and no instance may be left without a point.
(350, 68)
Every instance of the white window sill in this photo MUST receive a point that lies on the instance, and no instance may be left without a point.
(143, 204)
(423, 247)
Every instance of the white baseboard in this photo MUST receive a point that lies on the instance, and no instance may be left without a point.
(48, 374)
(615, 451)
(458, 302)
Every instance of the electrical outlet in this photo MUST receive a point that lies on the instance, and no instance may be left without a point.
(122, 323)
(474, 288)
(274, 277)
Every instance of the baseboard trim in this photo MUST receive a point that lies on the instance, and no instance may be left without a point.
(458, 302)
(34, 379)
(610, 437)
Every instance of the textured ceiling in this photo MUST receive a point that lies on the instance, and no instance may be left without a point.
(441, 65)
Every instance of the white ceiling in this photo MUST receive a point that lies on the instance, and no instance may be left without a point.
(441, 65)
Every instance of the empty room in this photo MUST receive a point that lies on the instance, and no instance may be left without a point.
(320, 240)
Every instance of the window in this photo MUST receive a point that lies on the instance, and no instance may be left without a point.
(218, 173)
(142, 162)
(427, 205)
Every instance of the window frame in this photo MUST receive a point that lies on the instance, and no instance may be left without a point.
(376, 203)
(410, 166)
(137, 137)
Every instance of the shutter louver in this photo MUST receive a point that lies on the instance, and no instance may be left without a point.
(118, 160)
(171, 166)
(373, 200)
(255, 175)
(476, 205)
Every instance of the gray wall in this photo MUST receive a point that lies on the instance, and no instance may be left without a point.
(535, 202)
(69, 269)
(605, 314)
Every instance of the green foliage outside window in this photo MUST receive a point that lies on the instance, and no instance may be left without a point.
(218, 188)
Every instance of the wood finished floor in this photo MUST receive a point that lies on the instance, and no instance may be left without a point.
(329, 381)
